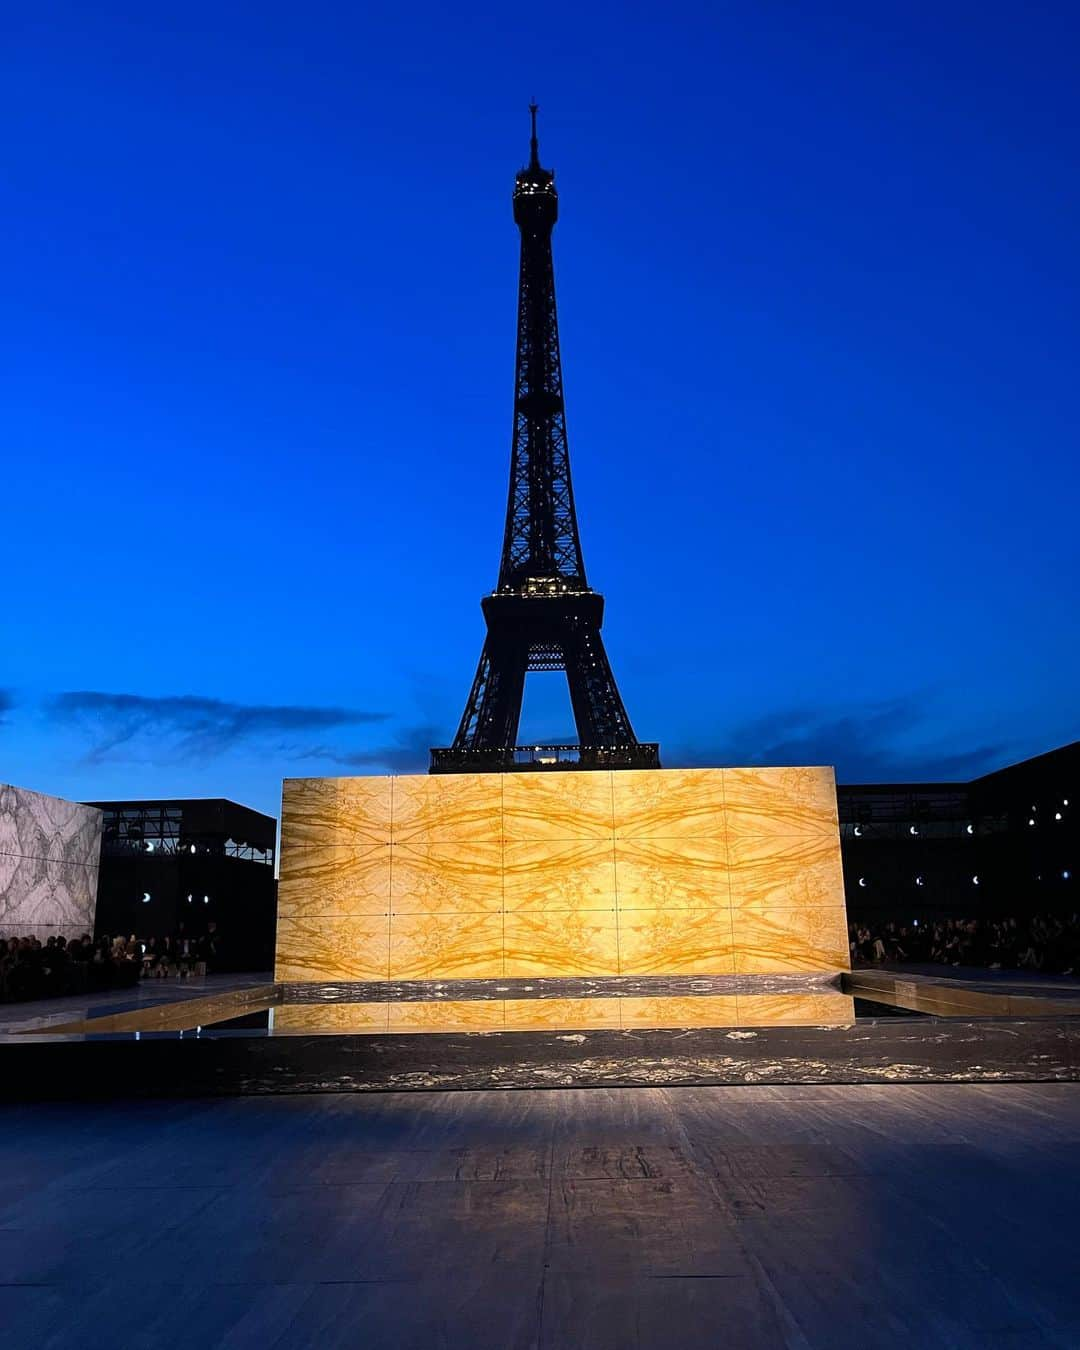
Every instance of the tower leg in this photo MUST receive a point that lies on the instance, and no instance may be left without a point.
(494, 708)
(601, 718)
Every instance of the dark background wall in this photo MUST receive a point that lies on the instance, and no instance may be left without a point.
(1006, 843)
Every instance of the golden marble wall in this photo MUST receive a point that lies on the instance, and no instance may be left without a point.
(637, 872)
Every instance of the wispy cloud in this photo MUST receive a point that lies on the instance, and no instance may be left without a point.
(189, 725)
(408, 753)
(872, 742)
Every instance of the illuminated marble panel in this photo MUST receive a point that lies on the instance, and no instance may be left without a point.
(335, 812)
(668, 804)
(578, 942)
(672, 874)
(547, 806)
(559, 875)
(446, 946)
(447, 809)
(784, 871)
(676, 942)
(639, 873)
(334, 881)
(333, 947)
(49, 851)
(800, 801)
(462, 878)
(774, 941)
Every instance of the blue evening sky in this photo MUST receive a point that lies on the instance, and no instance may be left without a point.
(818, 283)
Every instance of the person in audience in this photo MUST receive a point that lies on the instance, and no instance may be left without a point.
(31, 968)
(1046, 942)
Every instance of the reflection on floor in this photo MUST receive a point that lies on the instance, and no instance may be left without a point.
(816, 1218)
(41, 1014)
(956, 992)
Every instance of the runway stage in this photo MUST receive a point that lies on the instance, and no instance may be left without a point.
(809, 1218)
(258, 1037)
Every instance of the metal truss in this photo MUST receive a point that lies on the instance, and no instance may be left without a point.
(543, 615)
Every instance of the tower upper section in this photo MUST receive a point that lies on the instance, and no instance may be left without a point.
(541, 548)
(536, 203)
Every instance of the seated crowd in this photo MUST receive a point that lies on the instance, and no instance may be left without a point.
(30, 968)
(1047, 942)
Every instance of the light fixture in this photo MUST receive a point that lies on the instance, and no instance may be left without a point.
(1031, 821)
(149, 846)
(862, 881)
(206, 899)
(918, 881)
(914, 829)
(146, 897)
(1066, 875)
(190, 898)
(974, 881)
(1057, 815)
(971, 829)
(858, 831)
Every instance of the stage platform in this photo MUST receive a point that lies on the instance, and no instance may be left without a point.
(254, 1036)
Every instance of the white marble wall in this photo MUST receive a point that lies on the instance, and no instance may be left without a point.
(49, 855)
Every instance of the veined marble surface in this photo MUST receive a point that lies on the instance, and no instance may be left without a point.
(695, 872)
(49, 854)
(825, 1008)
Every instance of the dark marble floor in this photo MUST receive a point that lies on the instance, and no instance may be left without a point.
(810, 1218)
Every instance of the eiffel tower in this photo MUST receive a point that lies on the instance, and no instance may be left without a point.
(543, 615)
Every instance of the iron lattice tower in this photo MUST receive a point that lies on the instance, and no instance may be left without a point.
(543, 615)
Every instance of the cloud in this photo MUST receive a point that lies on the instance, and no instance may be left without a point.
(189, 724)
(409, 753)
(868, 743)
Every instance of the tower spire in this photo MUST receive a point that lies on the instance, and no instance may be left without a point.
(534, 144)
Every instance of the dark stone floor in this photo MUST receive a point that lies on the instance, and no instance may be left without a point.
(813, 1218)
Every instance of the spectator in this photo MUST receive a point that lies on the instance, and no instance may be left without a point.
(1047, 942)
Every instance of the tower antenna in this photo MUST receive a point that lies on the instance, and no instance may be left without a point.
(534, 145)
